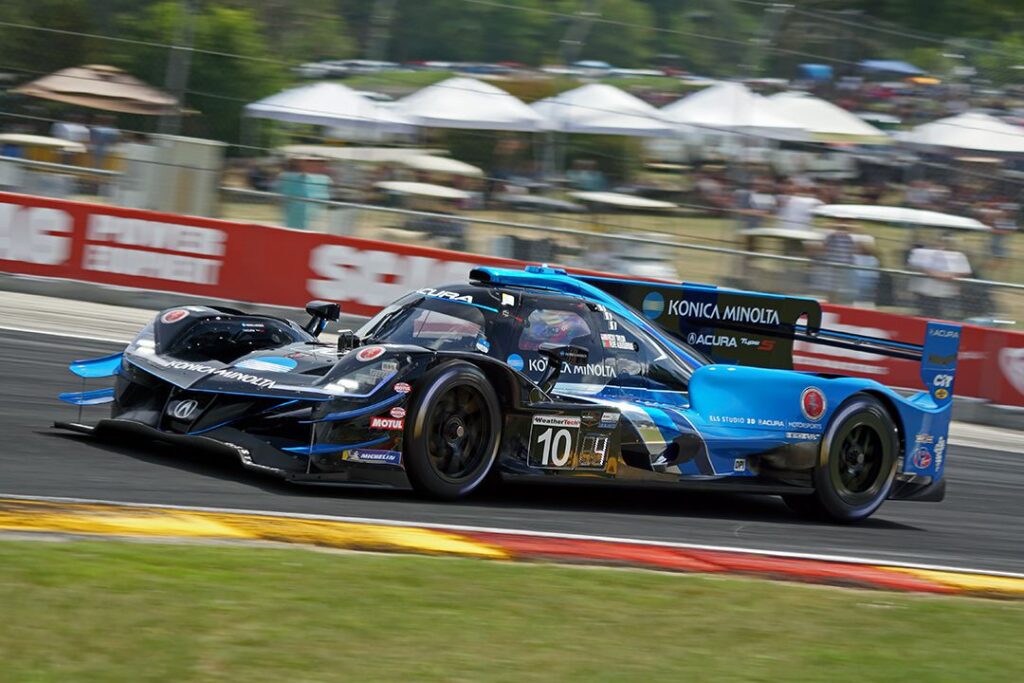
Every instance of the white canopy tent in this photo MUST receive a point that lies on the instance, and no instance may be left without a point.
(823, 120)
(468, 104)
(899, 215)
(601, 109)
(970, 131)
(731, 108)
(327, 104)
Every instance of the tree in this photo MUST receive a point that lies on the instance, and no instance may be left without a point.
(231, 67)
(624, 36)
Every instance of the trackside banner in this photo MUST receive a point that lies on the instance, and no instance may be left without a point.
(263, 264)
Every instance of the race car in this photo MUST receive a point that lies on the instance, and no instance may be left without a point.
(540, 374)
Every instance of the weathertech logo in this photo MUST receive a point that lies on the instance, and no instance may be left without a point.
(812, 403)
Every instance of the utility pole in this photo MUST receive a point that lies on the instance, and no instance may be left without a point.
(774, 15)
(179, 64)
(579, 28)
(380, 29)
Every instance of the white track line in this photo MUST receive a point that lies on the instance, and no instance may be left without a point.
(526, 532)
(65, 335)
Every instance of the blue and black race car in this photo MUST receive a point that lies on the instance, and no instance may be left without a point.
(538, 373)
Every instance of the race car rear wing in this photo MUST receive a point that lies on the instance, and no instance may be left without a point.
(754, 328)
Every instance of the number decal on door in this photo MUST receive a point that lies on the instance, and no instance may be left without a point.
(556, 447)
(553, 441)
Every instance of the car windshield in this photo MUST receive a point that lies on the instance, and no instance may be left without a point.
(429, 322)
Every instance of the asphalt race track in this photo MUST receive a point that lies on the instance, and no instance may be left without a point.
(980, 525)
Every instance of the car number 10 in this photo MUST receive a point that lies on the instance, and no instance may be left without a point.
(556, 447)
(553, 441)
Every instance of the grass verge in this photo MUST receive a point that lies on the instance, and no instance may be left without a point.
(106, 611)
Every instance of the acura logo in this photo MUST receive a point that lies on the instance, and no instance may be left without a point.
(184, 409)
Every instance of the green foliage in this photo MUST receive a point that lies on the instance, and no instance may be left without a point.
(629, 43)
(32, 53)
(219, 86)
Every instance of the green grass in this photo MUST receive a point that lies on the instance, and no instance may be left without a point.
(96, 611)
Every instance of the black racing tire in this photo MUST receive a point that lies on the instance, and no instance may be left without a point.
(856, 466)
(452, 431)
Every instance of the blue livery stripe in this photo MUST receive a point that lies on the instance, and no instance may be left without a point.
(88, 398)
(104, 366)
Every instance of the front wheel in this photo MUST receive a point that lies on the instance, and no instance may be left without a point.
(452, 431)
(857, 463)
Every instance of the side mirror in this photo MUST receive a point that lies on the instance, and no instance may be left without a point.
(321, 312)
(556, 355)
(347, 340)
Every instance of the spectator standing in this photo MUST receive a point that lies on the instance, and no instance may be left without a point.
(103, 136)
(796, 208)
(838, 250)
(938, 293)
(303, 181)
(72, 130)
(755, 205)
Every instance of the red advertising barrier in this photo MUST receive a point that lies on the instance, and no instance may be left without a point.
(271, 265)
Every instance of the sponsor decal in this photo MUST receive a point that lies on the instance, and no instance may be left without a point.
(224, 373)
(812, 403)
(1011, 362)
(732, 419)
(922, 459)
(390, 423)
(402, 388)
(707, 310)
(617, 341)
(802, 436)
(368, 353)
(507, 299)
(804, 426)
(608, 420)
(924, 438)
(653, 305)
(444, 294)
(764, 422)
(482, 345)
(739, 465)
(606, 369)
(374, 278)
(152, 249)
(185, 409)
(941, 394)
(590, 419)
(944, 333)
(572, 422)
(943, 381)
(695, 339)
(389, 366)
(174, 316)
(940, 449)
(515, 361)
(372, 456)
(268, 364)
(34, 234)
(397, 412)
(941, 360)
(766, 345)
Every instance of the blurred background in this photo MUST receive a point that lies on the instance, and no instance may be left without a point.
(865, 152)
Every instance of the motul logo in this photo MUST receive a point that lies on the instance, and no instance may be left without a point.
(391, 423)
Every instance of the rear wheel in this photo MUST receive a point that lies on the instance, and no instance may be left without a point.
(452, 431)
(856, 465)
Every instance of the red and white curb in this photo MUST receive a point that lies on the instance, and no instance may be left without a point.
(87, 517)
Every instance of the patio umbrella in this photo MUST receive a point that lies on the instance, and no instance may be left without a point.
(98, 86)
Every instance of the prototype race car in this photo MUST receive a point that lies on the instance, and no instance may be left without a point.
(537, 373)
